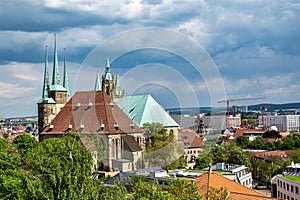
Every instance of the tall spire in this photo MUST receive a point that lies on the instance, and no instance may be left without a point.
(46, 76)
(65, 81)
(107, 71)
(118, 88)
(97, 83)
(55, 76)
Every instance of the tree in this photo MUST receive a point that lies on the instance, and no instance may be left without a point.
(204, 161)
(217, 194)
(242, 141)
(235, 155)
(258, 143)
(162, 149)
(183, 190)
(296, 156)
(60, 169)
(25, 143)
(271, 134)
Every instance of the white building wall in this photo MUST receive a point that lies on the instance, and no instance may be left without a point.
(287, 189)
(282, 122)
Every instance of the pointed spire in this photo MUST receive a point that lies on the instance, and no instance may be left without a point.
(46, 76)
(107, 71)
(118, 88)
(65, 81)
(55, 76)
(97, 83)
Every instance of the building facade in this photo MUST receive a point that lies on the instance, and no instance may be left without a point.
(287, 185)
(283, 123)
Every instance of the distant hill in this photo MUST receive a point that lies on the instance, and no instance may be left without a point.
(196, 110)
(274, 107)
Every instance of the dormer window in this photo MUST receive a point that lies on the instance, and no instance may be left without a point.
(70, 126)
(78, 105)
(101, 127)
(51, 126)
(116, 126)
(132, 125)
(81, 125)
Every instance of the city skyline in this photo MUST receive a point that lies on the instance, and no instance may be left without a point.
(253, 44)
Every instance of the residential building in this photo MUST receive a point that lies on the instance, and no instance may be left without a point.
(283, 123)
(219, 122)
(192, 144)
(287, 185)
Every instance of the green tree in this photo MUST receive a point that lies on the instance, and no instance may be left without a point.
(258, 143)
(242, 141)
(60, 169)
(204, 161)
(271, 134)
(25, 143)
(183, 190)
(296, 156)
(235, 155)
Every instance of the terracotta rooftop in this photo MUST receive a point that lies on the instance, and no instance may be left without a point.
(239, 132)
(88, 144)
(91, 111)
(237, 191)
(131, 143)
(265, 154)
(191, 139)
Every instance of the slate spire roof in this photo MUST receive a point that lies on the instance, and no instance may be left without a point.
(55, 86)
(97, 83)
(45, 95)
(91, 112)
(108, 75)
(65, 81)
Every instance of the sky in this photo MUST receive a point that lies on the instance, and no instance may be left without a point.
(247, 49)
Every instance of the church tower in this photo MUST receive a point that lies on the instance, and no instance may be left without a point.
(108, 84)
(54, 96)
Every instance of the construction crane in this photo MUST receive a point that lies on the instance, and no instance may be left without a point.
(228, 105)
(263, 109)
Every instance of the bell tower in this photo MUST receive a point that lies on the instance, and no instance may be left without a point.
(54, 96)
(108, 84)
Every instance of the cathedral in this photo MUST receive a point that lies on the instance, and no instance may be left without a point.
(108, 124)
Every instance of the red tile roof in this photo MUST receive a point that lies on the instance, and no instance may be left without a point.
(237, 191)
(191, 139)
(239, 132)
(131, 143)
(95, 109)
(266, 154)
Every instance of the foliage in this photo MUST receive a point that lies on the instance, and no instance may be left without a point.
(242, 141)
(217, 194)
(271, 134)
(296, 156)
(25, 143)
(162, 149)
(184, 191)
(202, 162)
(235, 155)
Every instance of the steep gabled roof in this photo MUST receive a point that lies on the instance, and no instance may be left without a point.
(143, 108)
(91, 111)
(191, 139)
(131, 143)
(237, 191)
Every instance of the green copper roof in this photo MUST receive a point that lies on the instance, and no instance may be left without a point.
(107, 71)
(55, 75)
(143, 108)
(97, 83)
(46, 76)
(65, 82)
(118, 86)
(46, 100)
(57, 88)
